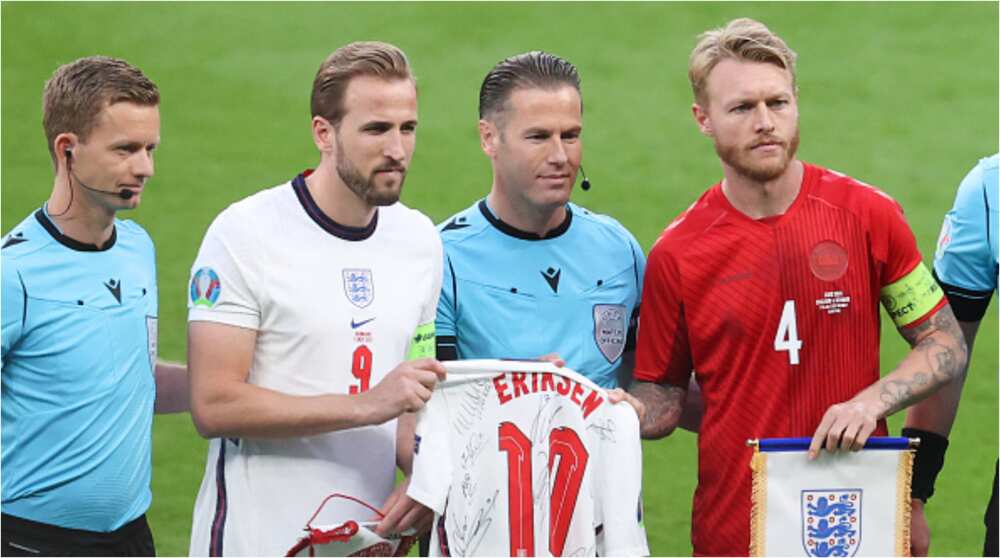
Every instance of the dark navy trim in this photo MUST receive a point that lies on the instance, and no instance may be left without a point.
(446, 347)
(986, 206)
(802, 444)
(525, 235)
(454, 286)
(71, 243)
(24, 306)
(219, 521)
(324, 221)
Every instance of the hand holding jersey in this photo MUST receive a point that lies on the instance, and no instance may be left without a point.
(404, 390)
(528, 459)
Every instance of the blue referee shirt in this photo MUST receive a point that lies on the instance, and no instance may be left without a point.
(507, 293)
(79, 346)
(965, 262)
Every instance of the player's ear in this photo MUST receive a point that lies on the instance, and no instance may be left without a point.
(62, 143)
(701, 118)
(324, 135)
(489, 135)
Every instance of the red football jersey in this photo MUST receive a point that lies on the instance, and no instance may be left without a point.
(779, 319)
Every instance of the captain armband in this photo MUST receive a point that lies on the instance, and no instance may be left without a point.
(422, 342)
(912, 296)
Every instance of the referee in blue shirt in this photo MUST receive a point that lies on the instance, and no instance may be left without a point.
(965, 265)
(79, 375)
(527, 272)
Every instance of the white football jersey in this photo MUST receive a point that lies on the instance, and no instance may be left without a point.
(527, 459)
(335, 309)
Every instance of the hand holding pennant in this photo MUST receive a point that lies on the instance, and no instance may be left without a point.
(839, 504)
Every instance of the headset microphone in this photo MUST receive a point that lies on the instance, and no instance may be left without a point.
(123, 194)
(586, 182)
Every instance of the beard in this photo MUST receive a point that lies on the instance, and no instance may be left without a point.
(740, 160)
(365, 187)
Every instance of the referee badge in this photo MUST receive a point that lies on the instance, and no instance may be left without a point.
(610, 328)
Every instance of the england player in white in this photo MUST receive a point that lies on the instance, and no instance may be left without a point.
(307, 303)
(528, 459)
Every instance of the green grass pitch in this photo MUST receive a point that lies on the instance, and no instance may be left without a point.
(901, 95)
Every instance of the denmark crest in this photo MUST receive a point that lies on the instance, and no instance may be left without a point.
(610, 327)
(831, 522)
(359, 287)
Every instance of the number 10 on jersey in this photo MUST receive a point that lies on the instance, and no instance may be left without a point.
(564, 445)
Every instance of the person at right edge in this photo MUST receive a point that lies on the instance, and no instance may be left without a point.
(965, 266)
(768, 288)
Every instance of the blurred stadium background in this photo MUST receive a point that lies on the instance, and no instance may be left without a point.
(901, 95)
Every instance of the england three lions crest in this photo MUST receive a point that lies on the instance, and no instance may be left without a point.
(359, 287)
(831, 522)
(610, 329)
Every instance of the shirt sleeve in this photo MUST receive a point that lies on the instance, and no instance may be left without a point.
(431, 476)
(445, 325)
(908, 291)
(620, 489)
(663, 354)
(13, 308)
(220, 285)
(964, 263)
(640, 272)
(422, 344)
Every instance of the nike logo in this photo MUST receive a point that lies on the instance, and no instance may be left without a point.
(115, 288)
(16, 239)
(356, 325)
(455, 224)
(551, 277)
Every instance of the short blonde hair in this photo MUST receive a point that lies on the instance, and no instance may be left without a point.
(741, 39)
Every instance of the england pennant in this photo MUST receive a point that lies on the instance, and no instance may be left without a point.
(840, 504)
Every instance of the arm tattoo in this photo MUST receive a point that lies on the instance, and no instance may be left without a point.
(664, 404)
(938, 355)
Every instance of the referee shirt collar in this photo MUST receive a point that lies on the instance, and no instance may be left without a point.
(43, 219)
(510, 230)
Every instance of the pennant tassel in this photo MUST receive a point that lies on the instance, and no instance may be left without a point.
(758, 494)
(904, 478)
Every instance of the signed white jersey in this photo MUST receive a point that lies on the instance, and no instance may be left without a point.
(527, 459)
(335, 309)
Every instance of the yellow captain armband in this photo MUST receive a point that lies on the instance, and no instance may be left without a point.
(912, 297)
(422, 344)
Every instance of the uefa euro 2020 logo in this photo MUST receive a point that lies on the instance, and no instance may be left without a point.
(205, 287)
(831, 522)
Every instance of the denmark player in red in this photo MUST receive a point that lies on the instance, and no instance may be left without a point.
(768, 288)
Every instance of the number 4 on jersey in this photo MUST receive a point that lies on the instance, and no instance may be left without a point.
(787, 336)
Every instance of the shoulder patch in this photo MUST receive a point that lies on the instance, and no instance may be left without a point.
(14, 239)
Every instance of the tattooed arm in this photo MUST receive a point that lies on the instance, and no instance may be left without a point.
(937, 357)
(664, 404)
